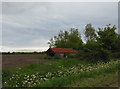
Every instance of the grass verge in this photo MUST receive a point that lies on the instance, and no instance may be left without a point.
(70, 80)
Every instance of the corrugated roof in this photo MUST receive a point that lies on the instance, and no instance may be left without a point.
(63, 50)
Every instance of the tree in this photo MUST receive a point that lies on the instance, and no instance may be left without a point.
(92, 51)
(108, 37)
(67, 39)
(90, 32)
(51, 43)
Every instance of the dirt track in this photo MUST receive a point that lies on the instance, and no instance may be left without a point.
(15, 60)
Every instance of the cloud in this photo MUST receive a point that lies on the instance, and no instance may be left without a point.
(28, 24)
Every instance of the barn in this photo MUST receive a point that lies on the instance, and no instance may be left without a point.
(60, 52)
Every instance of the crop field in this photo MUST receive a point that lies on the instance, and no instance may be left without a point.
(62, 73)
(15, 60)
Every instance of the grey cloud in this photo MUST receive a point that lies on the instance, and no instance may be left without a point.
(33, 24)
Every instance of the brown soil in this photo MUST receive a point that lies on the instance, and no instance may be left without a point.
(15, 60)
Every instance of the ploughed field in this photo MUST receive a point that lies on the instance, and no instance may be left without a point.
(16, 60)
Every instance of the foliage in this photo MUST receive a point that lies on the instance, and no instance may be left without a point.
(90, 32)
(67, 39)
(108, 37)
(104, 47)
(94, 52)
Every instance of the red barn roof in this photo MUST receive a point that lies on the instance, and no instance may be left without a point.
(63, 50)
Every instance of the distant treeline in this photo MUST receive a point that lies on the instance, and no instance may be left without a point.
(22, 52)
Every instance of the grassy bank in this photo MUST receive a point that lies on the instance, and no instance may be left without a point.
(100, 80)
(57, 73)
(52, 65)
(96, 75)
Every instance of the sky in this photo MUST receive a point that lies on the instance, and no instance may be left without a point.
(28, 26)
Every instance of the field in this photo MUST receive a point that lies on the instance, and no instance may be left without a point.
(37, 71)
(15, 60)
